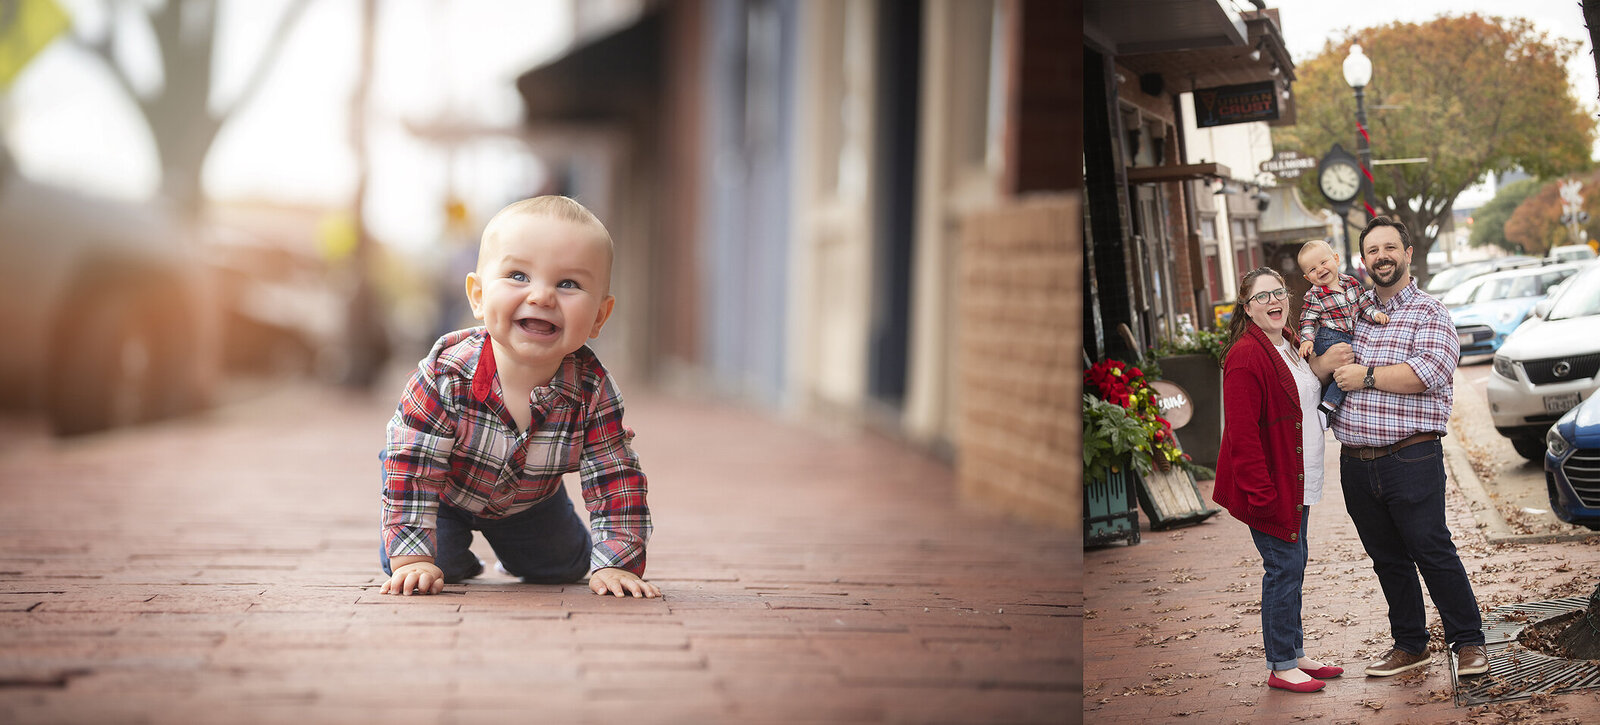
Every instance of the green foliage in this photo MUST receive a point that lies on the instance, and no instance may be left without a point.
(1112, 440)
(1535, 225)
(1199, 342)
(1489, 220)
(1471, 94)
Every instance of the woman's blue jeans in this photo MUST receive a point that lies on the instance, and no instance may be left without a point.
(1285, 564)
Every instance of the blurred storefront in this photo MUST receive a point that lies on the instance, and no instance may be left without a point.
(859, 213)
(1169, 228)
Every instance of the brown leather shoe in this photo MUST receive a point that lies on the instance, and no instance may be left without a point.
(1472, 659)
(1396, 662)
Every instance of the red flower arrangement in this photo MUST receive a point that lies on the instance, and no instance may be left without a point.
(1125, 386)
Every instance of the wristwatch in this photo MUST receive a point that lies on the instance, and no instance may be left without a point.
(1368, 382)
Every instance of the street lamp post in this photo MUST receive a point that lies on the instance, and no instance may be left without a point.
(1358, 72)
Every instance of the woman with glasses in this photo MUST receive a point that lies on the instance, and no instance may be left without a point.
(1269, 469)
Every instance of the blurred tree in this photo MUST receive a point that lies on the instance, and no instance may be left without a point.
(179, 111)
(1489, 221)
(1535, 226)
(1471, 94)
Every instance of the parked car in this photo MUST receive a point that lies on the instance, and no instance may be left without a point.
(1570, 253)
(1572, 465)
(107, 305)
(1548, 365)
(1446, 279)
(1495, 304)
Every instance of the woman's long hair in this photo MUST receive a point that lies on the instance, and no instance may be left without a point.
(1236, 326)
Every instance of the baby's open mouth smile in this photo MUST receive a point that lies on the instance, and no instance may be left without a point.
(538, 327)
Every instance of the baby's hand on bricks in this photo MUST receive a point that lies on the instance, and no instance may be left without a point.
(420, 577)
(620, 581)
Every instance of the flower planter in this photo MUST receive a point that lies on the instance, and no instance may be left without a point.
(1110, 508)
(1200, 377)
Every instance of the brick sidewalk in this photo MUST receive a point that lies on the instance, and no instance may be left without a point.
(1173, 624)
(224, 570)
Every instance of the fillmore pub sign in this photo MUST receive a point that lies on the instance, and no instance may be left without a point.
(1242, 103)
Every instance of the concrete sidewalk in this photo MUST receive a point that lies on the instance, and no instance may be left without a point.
(224, 570)
(1173, 625)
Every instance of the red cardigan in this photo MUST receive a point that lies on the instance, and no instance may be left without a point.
(1260, 467)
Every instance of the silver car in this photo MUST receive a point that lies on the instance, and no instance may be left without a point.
(1548, 365)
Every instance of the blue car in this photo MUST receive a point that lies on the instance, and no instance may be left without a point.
(1486, 309)
(1572, 465)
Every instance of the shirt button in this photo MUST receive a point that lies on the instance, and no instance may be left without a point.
(1294, 537)
(1297, 426)
(1297, 449)
(1299, 507)
(1302, 476)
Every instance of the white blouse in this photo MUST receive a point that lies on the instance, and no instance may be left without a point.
(1311, 427)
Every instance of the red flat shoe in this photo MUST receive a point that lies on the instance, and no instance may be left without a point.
(1325, 672)
(1308, 686)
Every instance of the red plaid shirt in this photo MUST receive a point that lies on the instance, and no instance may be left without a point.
(1337, 310)
(453, 438)
(1419, 334)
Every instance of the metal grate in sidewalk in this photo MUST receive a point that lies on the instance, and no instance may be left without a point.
(1516, 672)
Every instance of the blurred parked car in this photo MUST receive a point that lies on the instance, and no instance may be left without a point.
(107, 306)
(1572, 465)
(281, 308)
(1450, 277)
(1488, 308)
(1570, 253)
(1549, 365)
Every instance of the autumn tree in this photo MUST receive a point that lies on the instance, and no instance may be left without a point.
(182, 118)
(1535, 226)
(1470, 94)
(1489, 221)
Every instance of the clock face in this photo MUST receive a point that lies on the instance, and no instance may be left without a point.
(1340, 181)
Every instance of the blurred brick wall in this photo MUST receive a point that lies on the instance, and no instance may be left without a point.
(1019, 336)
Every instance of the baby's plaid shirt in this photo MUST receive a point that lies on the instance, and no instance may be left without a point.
(452, 438)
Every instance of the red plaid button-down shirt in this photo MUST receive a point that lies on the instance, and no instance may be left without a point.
(1337, 310)
(453, 439)
(1419, 333)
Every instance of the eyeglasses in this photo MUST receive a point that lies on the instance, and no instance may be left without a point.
(1276, 294)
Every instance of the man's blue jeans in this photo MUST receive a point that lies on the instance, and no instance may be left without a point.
(1285, 564)
(547, 544)
(1397, 504)
(1327, 337)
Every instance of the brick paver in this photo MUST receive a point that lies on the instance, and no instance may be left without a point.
(224, 570)
(1173, 624)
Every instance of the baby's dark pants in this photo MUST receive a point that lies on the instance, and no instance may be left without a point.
(547, 544)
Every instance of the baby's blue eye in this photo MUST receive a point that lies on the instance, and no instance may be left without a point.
(518, 276)
(567, 284)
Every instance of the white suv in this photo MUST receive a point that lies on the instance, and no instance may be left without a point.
(1548, 365)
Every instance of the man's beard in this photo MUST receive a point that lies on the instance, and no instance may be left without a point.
(1396, 273)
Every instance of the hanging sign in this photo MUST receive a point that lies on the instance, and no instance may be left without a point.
(1242, 103)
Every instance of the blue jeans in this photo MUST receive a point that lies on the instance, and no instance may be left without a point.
(1328, 337)
(547, 544)
(1397, 504)
(1285, 564)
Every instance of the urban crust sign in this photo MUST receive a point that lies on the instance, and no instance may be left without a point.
(1242, 103)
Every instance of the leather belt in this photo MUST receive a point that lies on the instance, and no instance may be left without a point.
(1376, 452)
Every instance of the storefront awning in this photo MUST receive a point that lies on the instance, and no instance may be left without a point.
(1184, 172)
(1182, 46)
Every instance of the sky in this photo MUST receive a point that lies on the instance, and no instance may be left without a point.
(1309, 24)
(66, 123)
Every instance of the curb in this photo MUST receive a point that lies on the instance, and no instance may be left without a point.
(1495, 529)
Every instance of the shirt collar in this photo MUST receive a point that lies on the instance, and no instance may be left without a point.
(1403, 296)
(564, 382)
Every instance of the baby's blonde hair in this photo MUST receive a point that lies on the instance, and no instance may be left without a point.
(1308, 246)
(553, 206)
